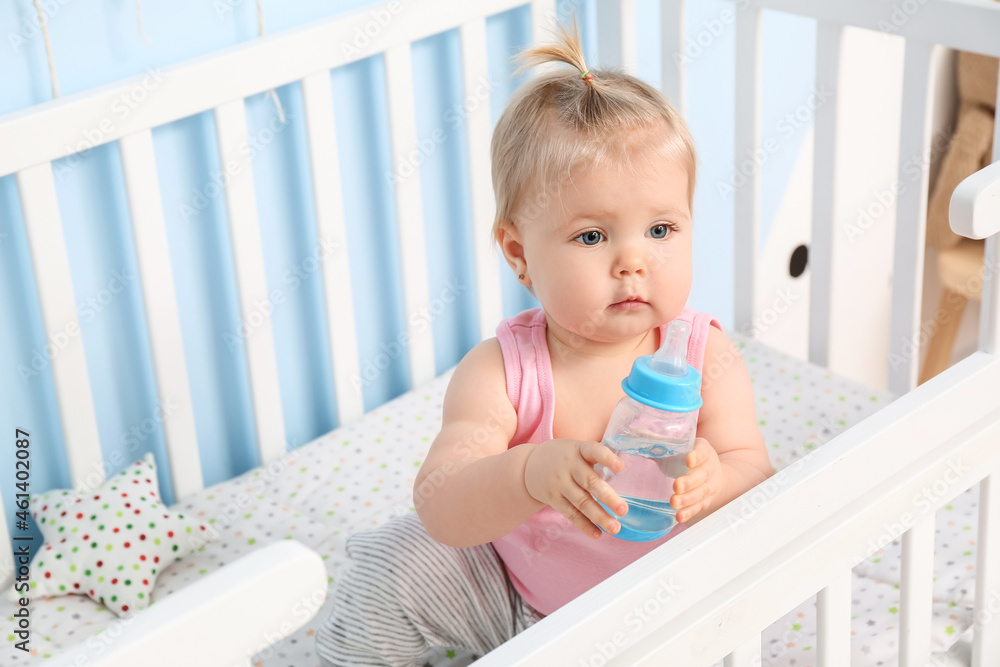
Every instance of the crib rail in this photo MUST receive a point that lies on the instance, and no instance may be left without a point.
(205, 623)
(945, 22)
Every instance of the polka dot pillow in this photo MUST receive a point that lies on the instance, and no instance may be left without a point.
(110, 543)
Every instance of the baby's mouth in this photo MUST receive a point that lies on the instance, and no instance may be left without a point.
(629, 303)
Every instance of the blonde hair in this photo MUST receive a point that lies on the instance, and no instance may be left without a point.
(560, 119)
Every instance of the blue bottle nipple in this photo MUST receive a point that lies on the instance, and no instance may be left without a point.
(665, 380)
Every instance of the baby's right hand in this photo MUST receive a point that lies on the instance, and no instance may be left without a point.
(560, 473)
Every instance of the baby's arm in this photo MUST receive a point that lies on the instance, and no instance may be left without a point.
(730, 457)
(472, 489)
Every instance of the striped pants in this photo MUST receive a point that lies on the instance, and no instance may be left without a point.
(405, 593)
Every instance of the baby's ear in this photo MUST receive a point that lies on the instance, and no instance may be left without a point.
(509, 239)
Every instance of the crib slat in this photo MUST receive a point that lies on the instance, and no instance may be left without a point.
(409, 214)
(616, 43)
(62, 328)
(986, 640)
(989, 308)
(248, 258)
(543, 20)
(916, 594)
(673, 63)
(476, 80)
(833, 622)
(746, 217)
(609, 33)
(162, 319)
(828, 39)
(331, 231)
(543, 25)
(746, 655)
(628, 37)
(911, 218)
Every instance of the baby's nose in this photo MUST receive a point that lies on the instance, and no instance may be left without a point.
(631, 261)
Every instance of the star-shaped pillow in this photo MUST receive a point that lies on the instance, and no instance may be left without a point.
(110, 543)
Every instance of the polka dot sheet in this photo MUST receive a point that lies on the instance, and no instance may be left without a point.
(360, 475)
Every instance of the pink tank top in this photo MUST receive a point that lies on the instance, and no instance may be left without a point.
(549, 560)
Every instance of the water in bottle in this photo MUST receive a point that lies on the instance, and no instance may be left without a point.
(653, 430)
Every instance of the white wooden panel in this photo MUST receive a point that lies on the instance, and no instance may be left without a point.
(476, 83)
(989, 308)
(828, 40)
(543, 20)
(747, 655)
(833, 622)
(629, 42)
(60, 127)
(747, 142)
(627, 25)
(986, 641)
(162, 319)
(409, 215)
(989, 311)
(673, 61)
(251, 280)
(970, 25)
(225, 602)
(331, 230)
(609, 33)
(996, 126)
(616, 28)
(62, 328)
(543, 26)
(916, 583)
(911, 218)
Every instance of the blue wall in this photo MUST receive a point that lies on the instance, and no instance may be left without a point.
(98, 42)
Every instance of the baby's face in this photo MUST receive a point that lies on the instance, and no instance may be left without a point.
(612, 259)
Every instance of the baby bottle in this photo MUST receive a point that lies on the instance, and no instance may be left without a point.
(652, 430)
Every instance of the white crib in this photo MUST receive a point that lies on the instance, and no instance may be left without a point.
(725, 586)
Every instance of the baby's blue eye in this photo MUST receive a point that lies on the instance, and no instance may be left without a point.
(659, 231)
(590, 238)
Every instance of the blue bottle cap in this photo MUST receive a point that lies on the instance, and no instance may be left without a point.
(666, 392)
(665, 380)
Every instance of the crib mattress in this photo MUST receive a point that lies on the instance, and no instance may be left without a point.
(359, 476)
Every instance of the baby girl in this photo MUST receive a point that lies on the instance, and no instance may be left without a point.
(594, 175)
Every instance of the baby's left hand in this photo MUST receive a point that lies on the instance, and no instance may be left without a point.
(695, 490)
